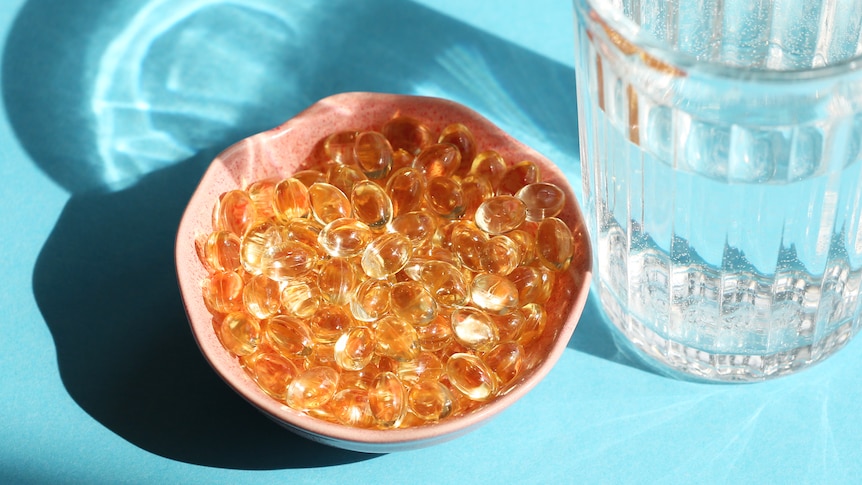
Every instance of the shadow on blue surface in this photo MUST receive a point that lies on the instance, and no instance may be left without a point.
(125, 106)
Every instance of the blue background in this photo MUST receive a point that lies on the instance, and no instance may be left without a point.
(111, 112)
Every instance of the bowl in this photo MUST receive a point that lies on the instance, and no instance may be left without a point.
(283, 150)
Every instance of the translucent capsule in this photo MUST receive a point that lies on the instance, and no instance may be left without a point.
(345, 237)
(261, 193)
(312, 388)
(468, 244)
(354, 349)
(500, 214)
(310, 177)
(510, 325)
(344, 177)
(534, 284)
(471, 376)
(290, 200)
(373, 154)
(436, 335)
(489, 165)
(351, 407)
(474, 329)
(517, 177)
(406, 190)
(555, 244)
(386, 255)
(305, 231)
(261, 297)
(362, 378)
(526, 245)
(475, 189)
(322, 354)
(400, 159)
(411, 302)
(443, 280)
(418, 226)
(328, 202)
(289, 335)
(271, 371)
(221, 251)
(371, 204)
(500, 255)
(462, 138)
(370, 300)
(542, 200)
(388, 400)
(535, 320)
(255, 243)
(284, 259)
(396, 339)
(222, 292)
(438, 160)
(300, 298)
(336, 279)
(445, 197)
(431, 252)
(338, 147)
(494, 293)
(506, 359)
(239, 333)
(329, 322)
(426, 365)
(234, 212)
(430, 400)
(407, 133)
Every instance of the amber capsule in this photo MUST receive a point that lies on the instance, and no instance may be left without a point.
(430, 400)
(370, 300)
(371, 204)
(418, 226)
(542, 200)
(445, 197)
(510, 325)
(386, 255)
(221, 251)
(329, 322)
(305, 231)
(322, 354)
(310, 177)
(261, 297)
(411, 302)
(406, 190)
(336, 279)
(401, 158)
(494, 293)
(462, 138)
(351, 407)
(471, 376)
(444, 280)
(426, 365)
(261, 193)
(438, 160)
(475, 189)
(271, 371)
(234, 212)
(300, 298)
(474, 329)
(345, 237)
(255, 243)
(354, 349)
(239, 333)
(436, 335)
(534, 283)
(388, 400)
(535, 320)
(373, 154)
(526, 245)
(396, 339)
(407, 133)
(283, 260)
(289, 335)
(500, 255)
(517, 177)
(362, 378)
(328, 202)
(500, 214)
(338, 147)
(555, 244)
(506, 359)
(468, 244)
(312, 388)
(490, 165)
(431, 252)
(222, 292)
(344, 177)
(290, 200)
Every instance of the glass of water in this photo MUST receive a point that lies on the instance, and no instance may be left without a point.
(720, 151)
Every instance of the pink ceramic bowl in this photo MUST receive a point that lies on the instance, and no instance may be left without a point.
(282, 151)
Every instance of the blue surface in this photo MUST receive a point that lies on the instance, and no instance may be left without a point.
(111, 114)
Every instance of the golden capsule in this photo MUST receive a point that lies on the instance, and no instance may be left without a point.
(535, 320)
(312, 388)
(371, 204)
(431, 252)
(444, 197)
(436, 335)
(411, 302)
(526, 245)
(510, 325)
(471, 376)
(338, 147)
(354, 349)
(351, 407)
(261, 193)
(542, 200)
(438, 160)
(362, 378)
(370, 300)
(534, 283)
(407, 133)
(239, 333)
(555, 244)
(261, 297)
(500, 214)
(310, 177)
(462, 138)
(489, 165)
(328, 202)
(290, 200)
(300, 298)
(222, 292)
(255, 243)
(406, 190)
(430, 400)
(323, 353)
(283, 260)
(344, 177)
(517, 177)
(221, 251)
(500, 255)
(373, 154)
(396, 339)
(336, 279)
(345, 237)
(329, 322)
(418, 226)
(475, 189)
(271, 371)
(234, 212)
(401, 158)
(386, 255)
(388, 400)
(494, 293)
(445, 281)
(306, 231)
(506, 359)
(289, 335)
(474, 329)
(426, 365)
(468, 244)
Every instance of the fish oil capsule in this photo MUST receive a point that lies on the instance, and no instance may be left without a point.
(329, 322)
(373, 154)
(468, 244)
(430, 400)
(261, 193)
(255, 243)
(283, 260)
(431, 252)
(494, 293)
(542, 200)
(535, 319)
(222, 292)
(300, 298)
(462, 138)
(305, 231)
(407, 133)
(290, 200)
(475, 189)
(526, 245)
(234, 212)
(518, 176)
(261, 297)
(500, 255)
(388, 400)
(490, 165)
(351, 408)
(328, 202)
(271, 371)
(396, 339)
(500, 214)
(418, 226)
(406, 190)
(471, 376)
(221, 251)
(506, 359)
(323, 353)
(436, 335)
(338, 147)
(438, 160)
(336, 279)
(370, 300)
(425, 366)
(444, 281)
(474, 329)
(362, 378)
(310, 177)
(345, 237)
(344, 177)
(401, 158)
(555, 244)
(239, 333)
(445, 197)
(510, 325)
(354, 349)
(312, 388)
(371, 204)
(290, 336)
(411, 302)
(386, 255)
(534, 283)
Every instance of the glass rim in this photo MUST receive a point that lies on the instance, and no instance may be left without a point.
(688, 63)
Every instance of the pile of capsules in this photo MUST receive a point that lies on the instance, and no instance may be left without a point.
(398, 281)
